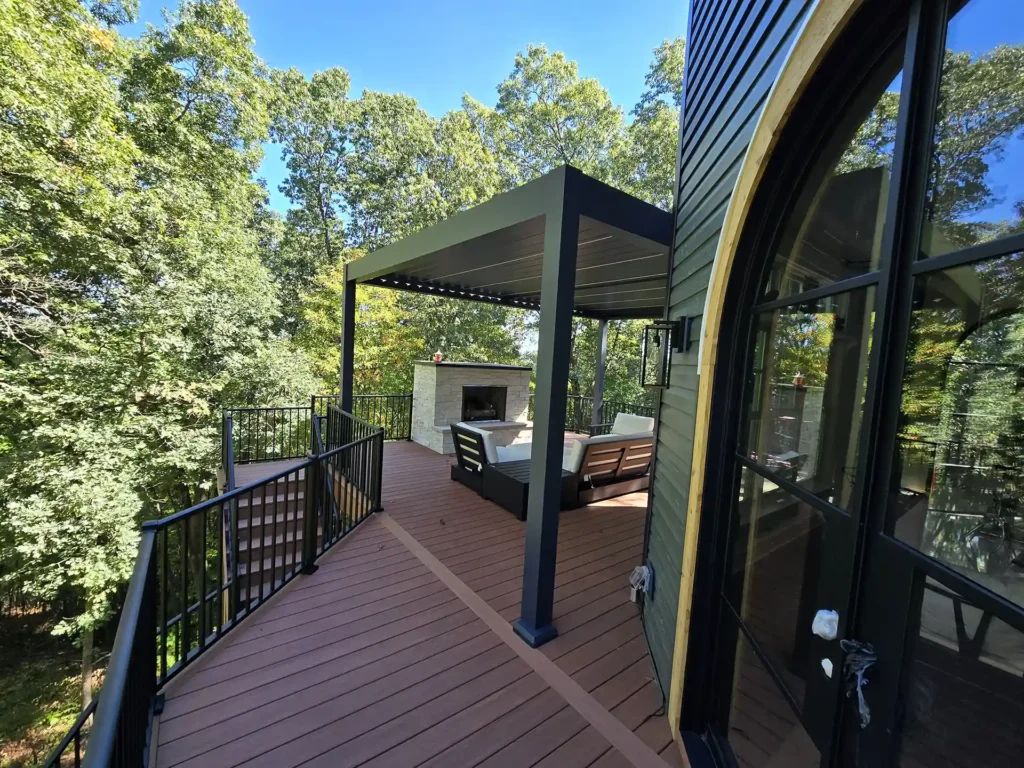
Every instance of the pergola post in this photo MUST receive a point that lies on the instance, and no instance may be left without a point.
(602, 352)
(348, 340)
(561, 230)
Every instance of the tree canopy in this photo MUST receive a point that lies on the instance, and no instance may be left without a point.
(145, 284)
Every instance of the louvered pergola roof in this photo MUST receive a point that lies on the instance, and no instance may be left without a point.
(494, 252)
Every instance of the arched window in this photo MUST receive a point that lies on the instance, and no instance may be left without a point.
(875, 456)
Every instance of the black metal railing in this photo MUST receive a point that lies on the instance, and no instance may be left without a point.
(348, 476)
(579, 412)
(201, 570)
(72, 747)
(120, 732)
(281, 433)
(391, 412)
(268, 434)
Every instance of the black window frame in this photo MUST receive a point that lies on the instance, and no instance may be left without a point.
(864, 43)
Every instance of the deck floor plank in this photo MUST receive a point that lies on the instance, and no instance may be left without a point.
(373, 661)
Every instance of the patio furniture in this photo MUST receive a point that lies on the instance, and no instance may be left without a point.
(475, 449)
(507, 484)
(610, 465)
(604, 466)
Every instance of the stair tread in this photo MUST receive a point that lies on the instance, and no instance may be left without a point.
(265, 541)
(280, 517)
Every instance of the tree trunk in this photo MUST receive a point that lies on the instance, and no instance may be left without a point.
(86, 668)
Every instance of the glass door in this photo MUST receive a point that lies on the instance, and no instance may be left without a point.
(943, 595)
(791, 546)
(878, 473)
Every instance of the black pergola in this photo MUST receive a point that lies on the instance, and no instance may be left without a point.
(562, 244)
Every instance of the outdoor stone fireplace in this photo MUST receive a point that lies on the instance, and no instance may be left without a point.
(494, 396)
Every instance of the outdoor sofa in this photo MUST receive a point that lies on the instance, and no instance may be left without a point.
(593, 468)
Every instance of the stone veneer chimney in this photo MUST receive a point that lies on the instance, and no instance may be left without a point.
(437, 400)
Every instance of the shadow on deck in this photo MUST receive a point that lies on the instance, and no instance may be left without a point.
(397, 650)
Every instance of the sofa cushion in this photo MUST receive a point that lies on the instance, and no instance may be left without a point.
(514, 452)
(574, 455)
(490, 452)
(629, 424)
(522, 451)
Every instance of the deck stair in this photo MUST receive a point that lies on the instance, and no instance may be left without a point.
(273, 516)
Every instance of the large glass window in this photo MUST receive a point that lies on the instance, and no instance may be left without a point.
(960, 488)
(965, 689)
(807, 399)
(976, 184)
(763, 730)
(774, 575)
(835, 231)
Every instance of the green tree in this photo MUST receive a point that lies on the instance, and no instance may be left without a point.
(388, 192)
(645, 164)
(312, 120)
(135, 302)
(547, 116)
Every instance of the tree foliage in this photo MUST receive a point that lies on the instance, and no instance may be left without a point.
(135, 303)
(145, 284)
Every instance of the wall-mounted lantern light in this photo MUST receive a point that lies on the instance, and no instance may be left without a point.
(660, 340)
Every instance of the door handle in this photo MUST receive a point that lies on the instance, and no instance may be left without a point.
(860, 657)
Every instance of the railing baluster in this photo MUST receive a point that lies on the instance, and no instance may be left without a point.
(273, 548)
(183, 623)
(248, 548)
(203, 630)
(163, 604)
(221, 568)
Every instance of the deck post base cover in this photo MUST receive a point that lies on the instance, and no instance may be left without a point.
(306, 570)
(534, 636)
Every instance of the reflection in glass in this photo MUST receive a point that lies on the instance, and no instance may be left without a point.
(965, 694)
(774, 575)
(835, 230)
(763, 730)
(960, 488)
(809, 374)
(976, 188)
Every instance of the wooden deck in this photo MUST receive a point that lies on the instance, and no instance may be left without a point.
(397, 651)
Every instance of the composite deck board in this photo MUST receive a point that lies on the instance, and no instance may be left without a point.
(374, 661)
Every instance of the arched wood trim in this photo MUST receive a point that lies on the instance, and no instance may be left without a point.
(823, 24)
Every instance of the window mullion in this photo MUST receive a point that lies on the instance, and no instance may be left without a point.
(901, 243)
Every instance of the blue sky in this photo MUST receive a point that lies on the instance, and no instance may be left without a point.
(436, 51)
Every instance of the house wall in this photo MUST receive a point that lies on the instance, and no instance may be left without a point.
(735, 49)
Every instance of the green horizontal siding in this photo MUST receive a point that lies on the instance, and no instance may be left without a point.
(736, 49)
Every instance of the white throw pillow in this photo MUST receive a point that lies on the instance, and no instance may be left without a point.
(514, 452)
(629, 424)
(490, 452)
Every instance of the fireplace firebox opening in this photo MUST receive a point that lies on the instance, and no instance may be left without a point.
(483, 403)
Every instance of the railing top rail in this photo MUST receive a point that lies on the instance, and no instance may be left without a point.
(266, 408)
(332, 406)
(103, 737)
